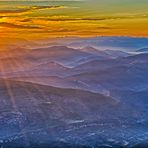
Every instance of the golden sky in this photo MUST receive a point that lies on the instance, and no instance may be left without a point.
(30, 20)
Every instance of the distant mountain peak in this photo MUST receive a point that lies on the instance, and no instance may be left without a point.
(145, 49)
(116, 53)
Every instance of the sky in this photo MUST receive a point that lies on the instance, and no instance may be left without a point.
(38, 19)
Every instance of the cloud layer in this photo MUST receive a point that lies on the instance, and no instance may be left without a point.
(37, 19)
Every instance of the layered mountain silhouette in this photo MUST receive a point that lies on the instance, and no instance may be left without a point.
(60, 96)
(118, 43)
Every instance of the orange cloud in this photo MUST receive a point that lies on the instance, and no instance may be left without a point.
(22, 10)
